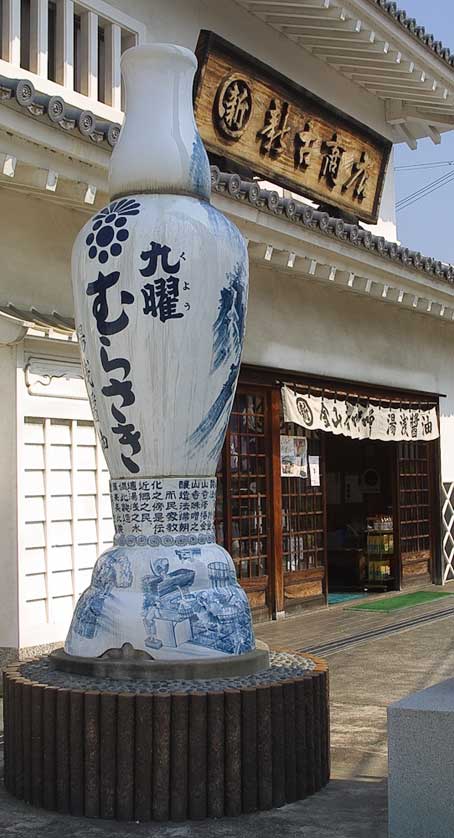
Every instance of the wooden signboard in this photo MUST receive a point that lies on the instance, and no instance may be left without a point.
(251, 115)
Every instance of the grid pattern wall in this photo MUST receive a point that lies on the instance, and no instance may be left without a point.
(67, 515)
(249, 485)
(302, 512)
(414, 483)
(447, 490)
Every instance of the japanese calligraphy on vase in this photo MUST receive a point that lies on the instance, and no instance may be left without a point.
(250, 114)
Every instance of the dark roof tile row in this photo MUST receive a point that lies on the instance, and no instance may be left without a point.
(57, 111)
(299, 213)
(415, 29)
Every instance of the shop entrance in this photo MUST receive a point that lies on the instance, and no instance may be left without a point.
(307, 514)
(360, 512)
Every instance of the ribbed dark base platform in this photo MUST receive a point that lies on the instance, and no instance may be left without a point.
(166, 755)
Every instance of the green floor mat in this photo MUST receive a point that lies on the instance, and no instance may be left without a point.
(395, 603)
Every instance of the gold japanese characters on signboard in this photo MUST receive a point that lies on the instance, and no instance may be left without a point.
(249, 114)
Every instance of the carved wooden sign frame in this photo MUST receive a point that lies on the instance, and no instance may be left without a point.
(253, 116)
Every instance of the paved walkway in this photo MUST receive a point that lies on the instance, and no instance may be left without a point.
(365, 678)
(315, 628)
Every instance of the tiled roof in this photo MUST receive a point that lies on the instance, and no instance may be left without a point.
(55, 110)
(419, 32)
(302, 214)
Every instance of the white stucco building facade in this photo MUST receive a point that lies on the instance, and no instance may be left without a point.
(326, 302)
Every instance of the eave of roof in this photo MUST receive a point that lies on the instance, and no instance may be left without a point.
(298, 213)
(54, 109)
(415, 29)
(416, 282)
(374, 45)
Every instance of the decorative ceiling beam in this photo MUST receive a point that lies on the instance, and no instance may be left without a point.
(327, 32)
(434, 134)
(336, 52)
(431, 117)
(306, 13)
(8, 165)
(377, 64)
(353, 39)
(367, 75)
(261, 5)
(407, 135)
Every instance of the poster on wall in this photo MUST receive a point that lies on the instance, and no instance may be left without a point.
(360, 420)
(293, 456)
(314, 470)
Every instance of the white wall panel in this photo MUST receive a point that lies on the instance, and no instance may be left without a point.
(60, 457)
(34, 535)
(34, 482)
(59, 482)
(35, 560)
(34, 509)
(67, 521)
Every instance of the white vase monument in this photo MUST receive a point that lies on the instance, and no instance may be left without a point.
(179, 713)
(160, 281)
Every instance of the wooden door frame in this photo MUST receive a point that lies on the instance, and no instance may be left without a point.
(436, 518)
(397, 560)
(276, 566)
(245, 388)
(435, 513)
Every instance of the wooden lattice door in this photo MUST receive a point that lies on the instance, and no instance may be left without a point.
(415, 511)
(303, 528)
(243, 523)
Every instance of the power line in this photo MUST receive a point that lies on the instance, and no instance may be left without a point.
(431, 187)
(410, 203)
(413, 199)
(423, 188)
(426, 165)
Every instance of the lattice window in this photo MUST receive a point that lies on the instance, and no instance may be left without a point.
(67, 515)
(302, 512)
(414, 486)
(448, 530)
(249, 485)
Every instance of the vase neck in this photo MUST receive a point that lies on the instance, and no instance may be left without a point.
(159, 149)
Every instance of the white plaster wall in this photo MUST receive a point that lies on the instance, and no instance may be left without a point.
(300, 325)
(9, 617)
(387, 223)
(37, 238)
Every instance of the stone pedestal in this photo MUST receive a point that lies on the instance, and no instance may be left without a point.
(421, 764)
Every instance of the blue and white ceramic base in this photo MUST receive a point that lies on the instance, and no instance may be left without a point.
(172, 602)
(163, 588)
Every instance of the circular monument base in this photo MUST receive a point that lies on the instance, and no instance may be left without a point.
(166, 750)
(130, 663)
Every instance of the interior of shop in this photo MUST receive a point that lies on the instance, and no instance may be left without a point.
(360, 526)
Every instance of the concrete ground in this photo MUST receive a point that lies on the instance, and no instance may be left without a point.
(364, 678)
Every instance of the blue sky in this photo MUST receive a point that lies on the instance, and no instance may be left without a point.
(428, 225)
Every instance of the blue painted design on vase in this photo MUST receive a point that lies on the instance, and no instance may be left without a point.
(112, 570)
(175, 611)
(228, 334)
(199, 170)
(228, 329)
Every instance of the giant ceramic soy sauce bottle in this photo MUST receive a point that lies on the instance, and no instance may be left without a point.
(160, 283)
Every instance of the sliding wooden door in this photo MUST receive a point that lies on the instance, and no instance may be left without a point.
(243, 520)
